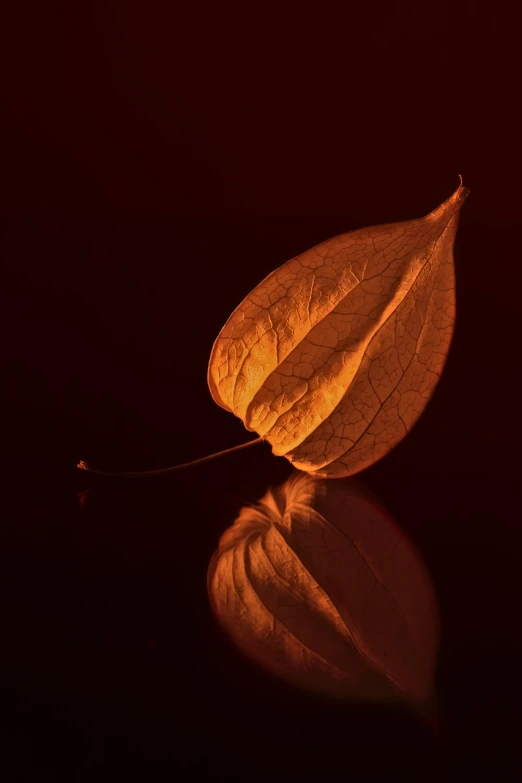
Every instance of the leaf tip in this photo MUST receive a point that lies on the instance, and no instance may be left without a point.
(448, 208)
(462, 192)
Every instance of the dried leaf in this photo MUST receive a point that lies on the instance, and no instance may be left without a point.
(318, 585)
(334, 356)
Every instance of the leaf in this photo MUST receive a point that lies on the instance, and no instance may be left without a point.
(318, 585)
(334, 356)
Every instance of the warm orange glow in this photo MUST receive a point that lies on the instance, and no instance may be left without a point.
(318, 585)
(334, 356)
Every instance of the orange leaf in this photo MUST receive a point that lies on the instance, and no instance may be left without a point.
(318, 586)
(334, 356)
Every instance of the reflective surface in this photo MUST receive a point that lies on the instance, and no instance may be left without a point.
(159, 161)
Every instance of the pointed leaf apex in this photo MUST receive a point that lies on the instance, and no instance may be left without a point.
(448, 208)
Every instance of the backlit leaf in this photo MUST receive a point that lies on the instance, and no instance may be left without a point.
(334, 356)
(319, 586)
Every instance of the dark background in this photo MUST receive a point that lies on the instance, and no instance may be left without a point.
(156, 165)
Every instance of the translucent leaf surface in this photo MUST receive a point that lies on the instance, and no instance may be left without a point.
(334, 356)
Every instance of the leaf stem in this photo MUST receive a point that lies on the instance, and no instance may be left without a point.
(162, 471)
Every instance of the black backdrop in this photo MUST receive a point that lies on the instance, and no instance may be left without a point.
(158, 164)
